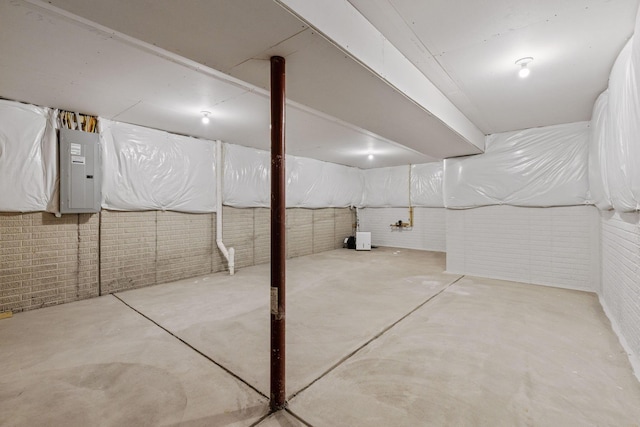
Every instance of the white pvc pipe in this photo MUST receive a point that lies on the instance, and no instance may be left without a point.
(228, 254)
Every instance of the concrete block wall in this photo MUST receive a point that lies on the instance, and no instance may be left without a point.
(546, 246)
(620, 293)
(428, 232)
(46, 260)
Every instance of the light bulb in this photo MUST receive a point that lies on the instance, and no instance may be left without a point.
(370, 157)
(524, 70)
(205, 117)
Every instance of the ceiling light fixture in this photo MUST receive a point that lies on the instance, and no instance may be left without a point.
(523, 62)
(370, 157)
(205, 117)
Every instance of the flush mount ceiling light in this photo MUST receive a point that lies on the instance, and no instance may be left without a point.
(523, 62)
(205, 117)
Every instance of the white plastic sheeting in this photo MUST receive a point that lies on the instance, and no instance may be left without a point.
(28, 162)
(310, 183)
(386, 187)
(247, 174)
(598, 179)
(147, 169)
(317, 184)
(533, 167)
(615, 144)
(426, 185)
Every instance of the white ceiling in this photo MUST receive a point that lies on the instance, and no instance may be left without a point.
(468, 49)
(158, 63)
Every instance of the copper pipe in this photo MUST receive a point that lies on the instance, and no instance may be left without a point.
(278, 241)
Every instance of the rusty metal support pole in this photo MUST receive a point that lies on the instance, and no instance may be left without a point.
(278, 241)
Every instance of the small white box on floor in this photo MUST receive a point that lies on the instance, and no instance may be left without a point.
(363, 241)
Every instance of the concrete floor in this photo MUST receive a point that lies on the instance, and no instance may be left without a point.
(380, 338)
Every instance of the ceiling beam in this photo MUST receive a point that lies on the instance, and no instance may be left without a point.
(344, 26)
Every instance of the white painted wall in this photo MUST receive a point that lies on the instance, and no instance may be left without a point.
(546, 246)
(620, 293)
(428, 233)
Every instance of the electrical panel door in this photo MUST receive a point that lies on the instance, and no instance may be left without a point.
(80, 172)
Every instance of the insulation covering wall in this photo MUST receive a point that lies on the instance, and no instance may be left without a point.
(386, 187)
(615, 144)
(310, 183)
(426, 185)
(28, 162)
(533, 167)
(614, 179)
(148, 169)
(316, 184)
(247, 175)
(598, 179)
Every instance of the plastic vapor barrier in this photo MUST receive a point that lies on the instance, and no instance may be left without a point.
(533, 167)
(598, 179)
(28, 160)
(426, 185)
(147, 169)
(247, 177)
(386, 187)
(310, 183)
(317, 184)
(614, 163)
(622, 137)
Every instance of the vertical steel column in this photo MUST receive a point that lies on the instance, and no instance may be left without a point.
(278, 242)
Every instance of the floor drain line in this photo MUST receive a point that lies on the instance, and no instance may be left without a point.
(227, 370)
(375, 337)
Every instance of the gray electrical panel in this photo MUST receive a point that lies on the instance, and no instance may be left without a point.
(80, 172)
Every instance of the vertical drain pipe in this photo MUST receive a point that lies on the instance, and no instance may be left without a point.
(278, 241)
(228, 254)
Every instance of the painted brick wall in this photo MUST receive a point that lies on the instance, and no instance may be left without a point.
(345, 225)
(46, 260)
(127, 250)
(299, 232)
(308, 231)
(620, 293)
(238, 233)
(547, 246)
(87, 285)
(262, 232)
(184, 246)
(323, 230)
(428, 232)
(146, 248)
